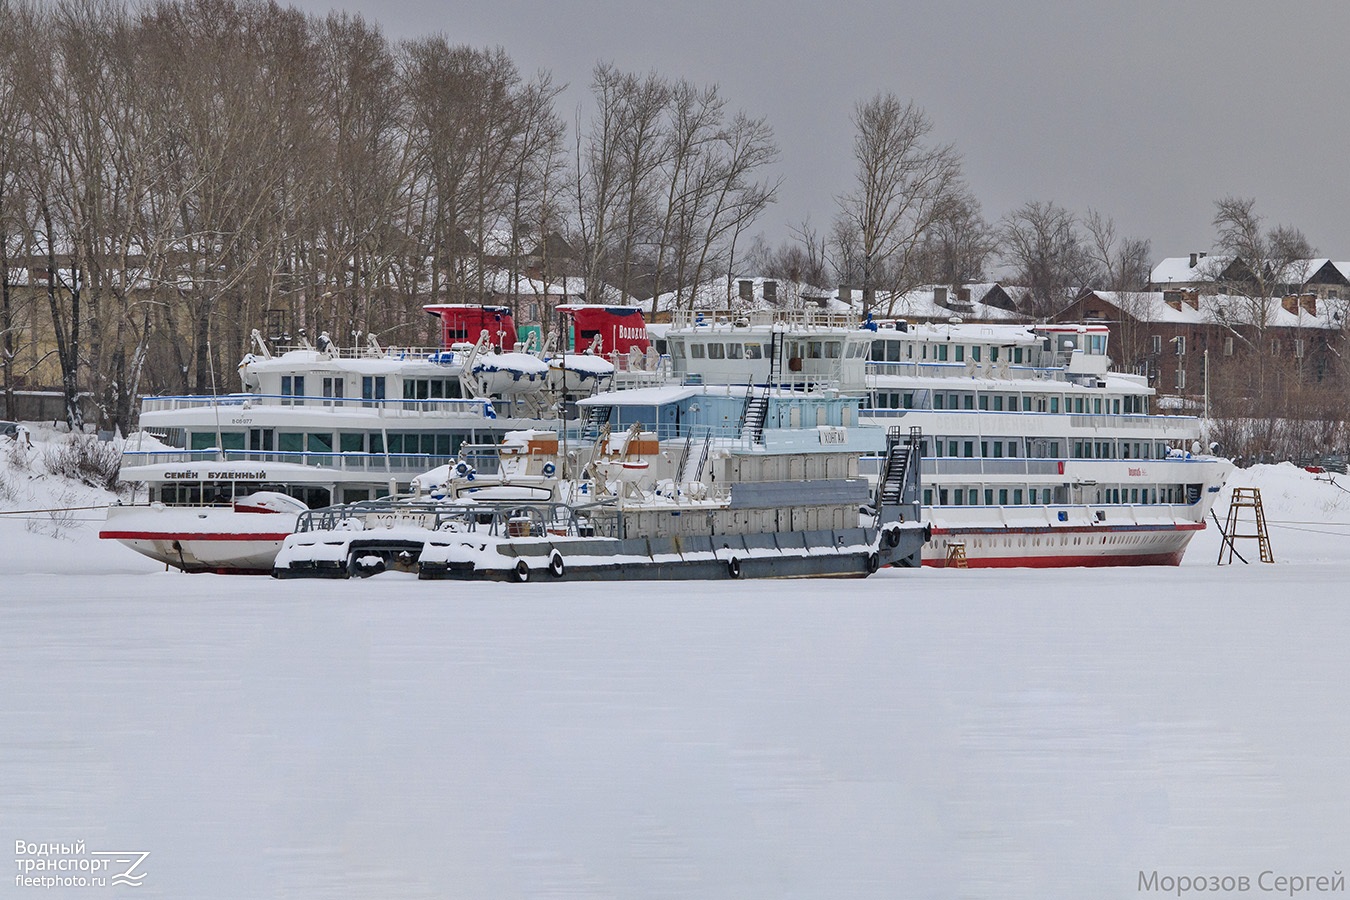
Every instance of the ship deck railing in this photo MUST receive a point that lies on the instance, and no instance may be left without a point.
(506, 518)
(796, 319)
(385, 406)
(342, 461)
(1128, 425)
(431, 354)
(1012, 373)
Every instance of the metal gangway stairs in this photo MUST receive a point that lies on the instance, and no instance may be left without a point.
(1244, 498)
(897, 484)
(596, 418)
(756, 412)
(691, 465)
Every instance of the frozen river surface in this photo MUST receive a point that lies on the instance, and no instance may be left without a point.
(918, 734)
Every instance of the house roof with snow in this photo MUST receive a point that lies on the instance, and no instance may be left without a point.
(940, 303)
(1192, 269)
(1224, 309)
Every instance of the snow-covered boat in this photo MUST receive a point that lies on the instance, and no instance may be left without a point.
(327, 424)
(227, 518)
(746, 521)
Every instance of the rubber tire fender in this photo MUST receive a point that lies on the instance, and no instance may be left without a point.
(734, 567)
(556, 566)
(521, 573)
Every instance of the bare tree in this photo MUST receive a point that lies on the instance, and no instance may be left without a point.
(1122, 263)
(1043, 243)
(1263, 266)
(13, 206)
(354, 234)
(904, 186)
(957, 246)
(801, 259)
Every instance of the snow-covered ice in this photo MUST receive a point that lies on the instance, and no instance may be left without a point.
(918, 734)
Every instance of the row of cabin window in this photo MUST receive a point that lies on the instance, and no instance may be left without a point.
(753, 350)
(373, 388)
(267, 441)
(1150, 495)
(903, 351)
(1128, 405)
(1119, 450)
(1011, 448)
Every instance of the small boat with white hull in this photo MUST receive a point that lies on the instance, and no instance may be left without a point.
(226, 518)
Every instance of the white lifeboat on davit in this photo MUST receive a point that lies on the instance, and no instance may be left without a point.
(579, 373)
(505, 374)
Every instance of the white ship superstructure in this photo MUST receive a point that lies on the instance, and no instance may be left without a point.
(1034, 453)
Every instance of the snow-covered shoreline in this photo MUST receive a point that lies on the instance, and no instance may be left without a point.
(1009, 733)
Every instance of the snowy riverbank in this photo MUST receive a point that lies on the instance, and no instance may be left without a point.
(979, 734)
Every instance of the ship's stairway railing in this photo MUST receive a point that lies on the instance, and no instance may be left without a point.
(1245, 498)
(596, 418)
(756, 412)
(898, 483)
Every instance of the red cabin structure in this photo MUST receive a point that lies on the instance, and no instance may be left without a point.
(619, 328)
(465, 322)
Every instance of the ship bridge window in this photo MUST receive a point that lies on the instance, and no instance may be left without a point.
(716, 351)
(998, 403)
(293, 386)
(968, 401)
(735, 350)
(942, 352)
(372, 387)
(1097, 405)
(993, 354)
(1054, 404)
(1017, 355)
(938, 401)
(834, 349)
(754, 351)
(975, 353)
(960, 353)
(984, 401)
(206, 440)
(696, 351)
(677, 349)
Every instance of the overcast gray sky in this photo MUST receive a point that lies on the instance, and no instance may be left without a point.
(1146, 111)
